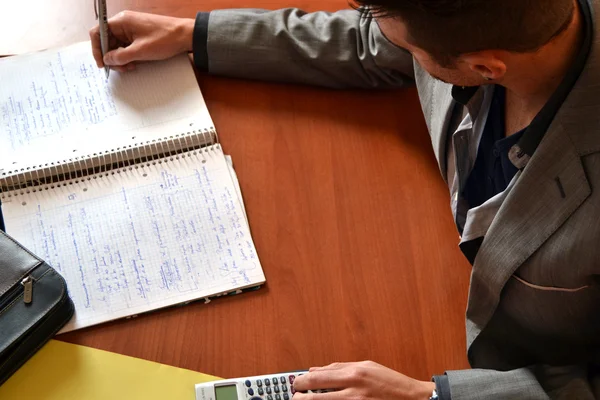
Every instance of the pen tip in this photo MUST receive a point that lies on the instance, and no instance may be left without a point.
(106, 70)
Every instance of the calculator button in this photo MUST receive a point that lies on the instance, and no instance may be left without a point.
(261, 391)
(269, 397)
(251, 392)
(292, 379)
(277, 397)
(269, 390)
(259, 383)
(275, 381)
(286, 396)
(268, 382)
(276, 389)
(248, 383)
(282, 379)
(284, 388)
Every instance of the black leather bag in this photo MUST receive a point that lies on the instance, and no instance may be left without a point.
(34, 305)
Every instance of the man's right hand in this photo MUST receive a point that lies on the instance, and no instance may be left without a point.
(138, 36)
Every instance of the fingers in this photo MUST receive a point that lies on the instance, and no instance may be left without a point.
(121, 25)
(96, 47)
(120, 35)
(124, 68)
(122, 56)
(322, 379)
(341, 395)
(336, 365)
(97, 53)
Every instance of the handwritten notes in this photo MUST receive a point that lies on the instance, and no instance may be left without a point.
(143, 238)
(57, 104)
(49, 104)
(130, 240)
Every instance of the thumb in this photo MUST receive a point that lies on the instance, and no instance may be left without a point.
(122, 55)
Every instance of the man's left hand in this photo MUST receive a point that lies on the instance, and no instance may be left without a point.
(362, 380)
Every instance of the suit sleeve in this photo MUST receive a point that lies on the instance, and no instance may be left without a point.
(533, 383)
(345, 49)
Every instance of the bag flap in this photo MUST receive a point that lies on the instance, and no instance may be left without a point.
(15, 262)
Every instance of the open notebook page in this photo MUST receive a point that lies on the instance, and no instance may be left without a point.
(141, 239)
(56, 105)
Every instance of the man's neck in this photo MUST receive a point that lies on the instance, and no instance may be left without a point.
(539, 74)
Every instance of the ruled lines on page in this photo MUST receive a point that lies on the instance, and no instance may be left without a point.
(56, 105)
(143, 238)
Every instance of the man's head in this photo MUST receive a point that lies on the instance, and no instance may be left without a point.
(465, 42)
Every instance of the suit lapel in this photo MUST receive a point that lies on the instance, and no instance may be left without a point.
(550, 189)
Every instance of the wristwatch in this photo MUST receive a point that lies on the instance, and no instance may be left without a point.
(434, 395)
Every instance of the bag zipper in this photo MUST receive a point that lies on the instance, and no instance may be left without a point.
(26, 286)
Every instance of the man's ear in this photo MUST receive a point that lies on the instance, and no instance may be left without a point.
(489, 64)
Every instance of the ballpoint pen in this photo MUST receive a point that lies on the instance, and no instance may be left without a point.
(103, 25)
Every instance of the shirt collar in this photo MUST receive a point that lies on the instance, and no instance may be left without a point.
(520, 154)
(469, 96)
(463, 94)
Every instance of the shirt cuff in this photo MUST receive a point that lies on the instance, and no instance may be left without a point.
(200, 41)
(442, 387)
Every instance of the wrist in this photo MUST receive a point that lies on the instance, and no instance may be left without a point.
(186, 34)
(423, 390)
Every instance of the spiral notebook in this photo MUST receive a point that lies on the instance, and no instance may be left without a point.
(120, 184)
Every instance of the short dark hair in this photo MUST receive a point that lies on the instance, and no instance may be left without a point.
(449, 28)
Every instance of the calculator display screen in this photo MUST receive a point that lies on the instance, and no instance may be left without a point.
(226, 392)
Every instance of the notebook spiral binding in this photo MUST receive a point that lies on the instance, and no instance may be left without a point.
(110, 162)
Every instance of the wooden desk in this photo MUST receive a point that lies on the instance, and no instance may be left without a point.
(352, 223)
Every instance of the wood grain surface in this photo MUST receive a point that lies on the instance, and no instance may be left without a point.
(348, 211)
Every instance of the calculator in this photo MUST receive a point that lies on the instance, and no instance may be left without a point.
(265, 387)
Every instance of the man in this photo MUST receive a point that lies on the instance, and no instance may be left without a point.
(517, 140)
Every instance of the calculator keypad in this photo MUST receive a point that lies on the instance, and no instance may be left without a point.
(274, 388)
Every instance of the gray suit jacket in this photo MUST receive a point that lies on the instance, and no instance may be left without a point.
(547, 236)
